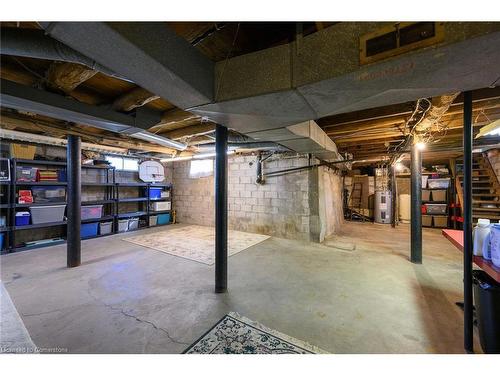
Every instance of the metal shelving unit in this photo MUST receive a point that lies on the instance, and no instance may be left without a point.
(111, 202)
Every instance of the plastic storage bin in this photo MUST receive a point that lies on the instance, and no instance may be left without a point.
(440, 221)
(133, 223)
(106, 227)
(439, 195)
(123, 225)
(424, 181)
(435, 208)
(48, 194)
(426, 221)
(163, 219)
(1, 241)
(47, 214)
(22, 218)
(160, 206)
(438, 183)
(153, 220)
(88, 230)
(487, 301)
(426, 195)
(91, 212)
(155, 192)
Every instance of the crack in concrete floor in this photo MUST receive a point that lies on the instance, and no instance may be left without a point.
(129, 315)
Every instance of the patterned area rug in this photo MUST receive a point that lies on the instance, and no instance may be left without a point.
(195, 242)
(235, 334)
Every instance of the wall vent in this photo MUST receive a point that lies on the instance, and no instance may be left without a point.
(399, 38)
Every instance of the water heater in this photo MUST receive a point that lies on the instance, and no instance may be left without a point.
(383, 207)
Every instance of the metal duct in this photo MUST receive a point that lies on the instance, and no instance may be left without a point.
(25, 98)
(267, 146)
(34, 43)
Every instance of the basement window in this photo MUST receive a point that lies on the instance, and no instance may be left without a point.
(201, 168)
(123, 164)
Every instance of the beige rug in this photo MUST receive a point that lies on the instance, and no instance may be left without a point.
(195, 242)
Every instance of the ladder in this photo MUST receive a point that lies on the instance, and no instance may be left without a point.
(356, 195)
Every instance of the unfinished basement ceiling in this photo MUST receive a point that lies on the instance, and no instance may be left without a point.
(277, 75)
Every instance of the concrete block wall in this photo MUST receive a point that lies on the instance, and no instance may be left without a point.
(280, 207)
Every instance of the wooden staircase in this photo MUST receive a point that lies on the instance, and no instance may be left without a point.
(485, 190)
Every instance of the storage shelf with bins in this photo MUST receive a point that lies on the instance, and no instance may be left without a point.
(436, 220)
(111, 201)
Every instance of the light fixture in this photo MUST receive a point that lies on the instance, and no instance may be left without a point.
(158, 139)
(420, 146)
(490, 129)
(197, 157)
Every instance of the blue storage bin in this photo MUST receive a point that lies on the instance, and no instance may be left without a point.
(89, 230)
(155, 192)
(22, 218)
(62, 175)
(1, 241)
(163, 219)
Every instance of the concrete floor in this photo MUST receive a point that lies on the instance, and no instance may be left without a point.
(129, 299)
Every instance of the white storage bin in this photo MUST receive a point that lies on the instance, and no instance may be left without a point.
(133, 223)
(47, 214)
(165, 194)
(160, 206)
(106, 227)
(153, 220)
(438, 183)
(424, 181)
(122, 225)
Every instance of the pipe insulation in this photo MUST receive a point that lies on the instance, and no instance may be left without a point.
(35, 44)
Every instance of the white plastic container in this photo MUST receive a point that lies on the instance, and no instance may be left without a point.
(424, 181)
(47, 214)
(105, 227)
(123, 225)
(495, 244)
(153, 220)
(133, 223)
(479, 233)
(438, 183)
(160, 206)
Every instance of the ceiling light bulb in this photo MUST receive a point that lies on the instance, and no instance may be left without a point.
(420, 146)
(399, 166)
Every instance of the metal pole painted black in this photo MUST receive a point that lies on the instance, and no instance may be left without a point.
(467, 213)
(393, 196)
(74, 163)
(416, 205)
(220, 209)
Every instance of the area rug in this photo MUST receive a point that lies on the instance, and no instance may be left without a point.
(235, 334)
(195, 242)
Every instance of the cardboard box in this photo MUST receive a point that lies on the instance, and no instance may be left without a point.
(20, 151)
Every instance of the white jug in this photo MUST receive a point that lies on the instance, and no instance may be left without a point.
(487, 246)
(481, 230)
(495, 244)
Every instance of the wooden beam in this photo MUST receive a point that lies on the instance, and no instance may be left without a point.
(68, 76)
(137, 97)
(29, 124)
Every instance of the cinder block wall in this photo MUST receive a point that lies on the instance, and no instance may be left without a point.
(284, 206)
